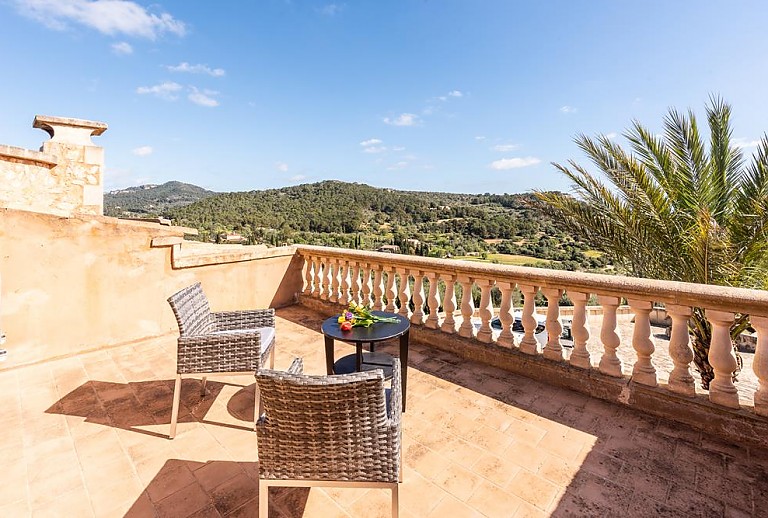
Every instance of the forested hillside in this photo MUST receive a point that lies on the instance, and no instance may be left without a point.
(492, 227)
(152, 200)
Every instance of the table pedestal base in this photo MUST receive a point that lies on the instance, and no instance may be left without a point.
(370, 361)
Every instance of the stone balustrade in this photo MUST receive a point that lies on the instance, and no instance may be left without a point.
(417, 287)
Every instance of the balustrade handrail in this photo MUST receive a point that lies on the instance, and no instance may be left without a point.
(721, 298)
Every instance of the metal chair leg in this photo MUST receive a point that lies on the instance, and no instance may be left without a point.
(272, 358)
(175, 411)
(395, 502)
(263, 499)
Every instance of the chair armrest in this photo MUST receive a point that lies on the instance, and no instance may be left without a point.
(229, 320)
(219, 352)
(396, 395)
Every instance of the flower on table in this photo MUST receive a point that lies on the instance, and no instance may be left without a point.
(361, 316)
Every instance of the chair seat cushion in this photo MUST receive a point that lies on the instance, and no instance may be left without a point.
(266, 334)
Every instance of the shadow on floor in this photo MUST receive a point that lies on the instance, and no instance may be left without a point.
(213, 489)
(147, 403)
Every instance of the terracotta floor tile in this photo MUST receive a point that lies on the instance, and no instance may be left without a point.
(173, 476)
(460, 451)
(450, 506)
(65, 504)
(458, 481)
(493, 501)
(526, 456)
(187, 500)
(495, 469)
(318, 503)
(375, 503)
(234, 492)
(533, 489)
(419, 495)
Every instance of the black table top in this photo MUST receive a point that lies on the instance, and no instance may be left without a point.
(375, 333)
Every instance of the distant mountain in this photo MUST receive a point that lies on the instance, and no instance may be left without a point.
(152, 200)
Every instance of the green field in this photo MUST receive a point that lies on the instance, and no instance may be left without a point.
(511, 259)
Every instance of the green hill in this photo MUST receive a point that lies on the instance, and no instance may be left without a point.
(152, 200)
(356, 215)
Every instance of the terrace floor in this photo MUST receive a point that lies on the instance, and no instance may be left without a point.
(87, 436)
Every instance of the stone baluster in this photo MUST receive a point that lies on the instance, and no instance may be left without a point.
(610, 363)
(319, 277)
(680, 379)
(506, 314)
(404, 293)
(721, 389)
(344, 285)
(580, 330)
(313, 274)
(449, 305)
(485, 333)
(390, 291)
(354, 282)
(308, 264)
(327, 279)
(643, 371)
(467, 330)
(528, 344)
(553, 349)
(433, 321)
(366, 287)
(418, 298)
(378, 290)
(760, 364)
(333, 296)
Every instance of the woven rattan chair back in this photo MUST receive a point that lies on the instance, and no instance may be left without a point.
(328, 431)
(192, 311)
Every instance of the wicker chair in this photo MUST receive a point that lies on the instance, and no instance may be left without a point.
(328, 431)
(226, 342)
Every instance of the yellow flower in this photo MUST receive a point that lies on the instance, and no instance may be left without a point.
(341, 319)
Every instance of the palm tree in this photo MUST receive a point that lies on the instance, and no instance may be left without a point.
(674, 208)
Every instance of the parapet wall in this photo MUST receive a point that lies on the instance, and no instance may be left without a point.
(64, 178)
(82, 283)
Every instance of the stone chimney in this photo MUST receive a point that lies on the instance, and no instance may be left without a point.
(64, 178)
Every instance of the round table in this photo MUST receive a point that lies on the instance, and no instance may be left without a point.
(377, 332)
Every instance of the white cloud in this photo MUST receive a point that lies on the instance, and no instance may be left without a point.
(196, 69)
(282, 167)
(203, 97)
(298, 178)
(106, 16)
(165, 90)
(505, 148)
(568, 109)
(514, 163)
(143, 151)
(398, 165)
(122, 48)
(455, 93)
(404, 119)
(744, 143)
(370, 142)
(611, 135)
(374, 149)
(480, 137)
(331, 9)
(398, 148)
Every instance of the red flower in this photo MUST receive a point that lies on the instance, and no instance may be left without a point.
(346, 326)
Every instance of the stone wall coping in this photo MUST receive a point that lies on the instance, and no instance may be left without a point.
(28, 155)
(190, 254)
(723, 298)
(47, 123)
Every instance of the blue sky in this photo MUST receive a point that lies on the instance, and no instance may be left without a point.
(460, 96)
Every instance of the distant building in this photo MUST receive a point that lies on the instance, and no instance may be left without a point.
(390, 249)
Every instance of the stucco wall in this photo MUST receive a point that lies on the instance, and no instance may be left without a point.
(87, 282)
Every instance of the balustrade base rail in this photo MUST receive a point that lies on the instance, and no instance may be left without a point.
(739, 426)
